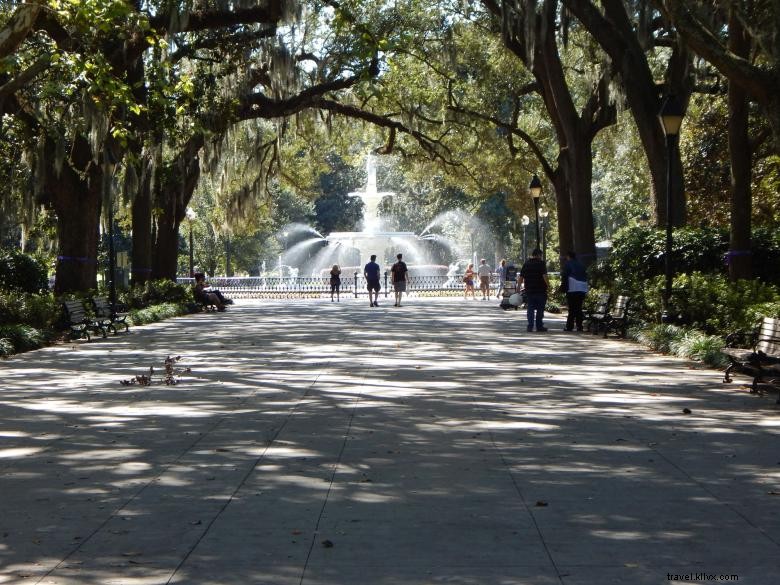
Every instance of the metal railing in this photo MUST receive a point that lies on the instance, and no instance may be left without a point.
(299, 287)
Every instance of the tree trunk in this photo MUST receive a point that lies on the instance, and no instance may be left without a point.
(611, 26)
(740, 265)
(582, 201)
(77, 203)
(563, 206)
(173, 194)
(142, 228)
(575, 134)
(166, 247)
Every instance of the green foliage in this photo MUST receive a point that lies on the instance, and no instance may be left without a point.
(18, 338)
(703, 297)
(701, 347)
(715, 305)
(6, 347)
(156, 292)
(638, 255)
(660, 337)
(22, 272)
(685, 343)
(158, 312)
(40, 311)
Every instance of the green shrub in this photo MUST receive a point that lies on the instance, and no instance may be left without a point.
(716, 305)
(155, 313)
(661, 337)
(156, 292)
(756, 311)
(703, 296)
(6, 347)
(22, 272)
(38, 310)
(700, 347)
(638, 255)
(22, 338)
(685, 343)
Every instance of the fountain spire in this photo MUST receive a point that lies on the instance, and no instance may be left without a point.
(371, 198)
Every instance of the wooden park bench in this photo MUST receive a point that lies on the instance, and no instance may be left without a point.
(616, 320)
(106, 317)
(79, 322)
(596, 315)
(756, 354)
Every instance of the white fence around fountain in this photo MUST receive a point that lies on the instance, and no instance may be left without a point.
(260, 287)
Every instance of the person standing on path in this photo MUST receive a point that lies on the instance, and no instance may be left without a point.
(371, 272)
(574, 281)
(400, 275)
(533, 275)
(484, 271)
(501, 273)
(335, 282)
(468, 282)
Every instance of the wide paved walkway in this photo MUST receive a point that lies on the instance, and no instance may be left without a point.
(332, 444)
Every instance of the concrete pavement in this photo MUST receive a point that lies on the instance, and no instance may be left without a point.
(333, 444)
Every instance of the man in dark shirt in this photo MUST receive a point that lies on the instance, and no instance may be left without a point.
(399, 272)
(371, 272)
(533, 275)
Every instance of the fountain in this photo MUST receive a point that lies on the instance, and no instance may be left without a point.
(372, 239)
(314, 254)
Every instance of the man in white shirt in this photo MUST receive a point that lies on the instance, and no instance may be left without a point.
(484, 272)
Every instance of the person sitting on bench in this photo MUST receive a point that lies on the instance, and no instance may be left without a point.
(206, 295)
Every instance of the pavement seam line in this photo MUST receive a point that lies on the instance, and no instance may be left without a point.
(164, 470)
(519, 491)
(704, 487)
(336, 465)
(131, 499)
(247, 475)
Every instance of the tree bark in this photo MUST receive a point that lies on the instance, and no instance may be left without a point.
(76, 198)
(740, 265)
(616, 35)
(575, 132)
(760, 78)
(142, 226)
(173, 194)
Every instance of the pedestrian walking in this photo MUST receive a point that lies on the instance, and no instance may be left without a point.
(484, 271)
(371, 272)
(468, 282)
(501, 273)
(400, 274)
(533, 276)
(574, 282)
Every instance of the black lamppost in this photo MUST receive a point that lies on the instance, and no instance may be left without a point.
(191, 216)
(671, 116)
(525, 221)
(543, 213)
(535, 191)
(109, 198)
